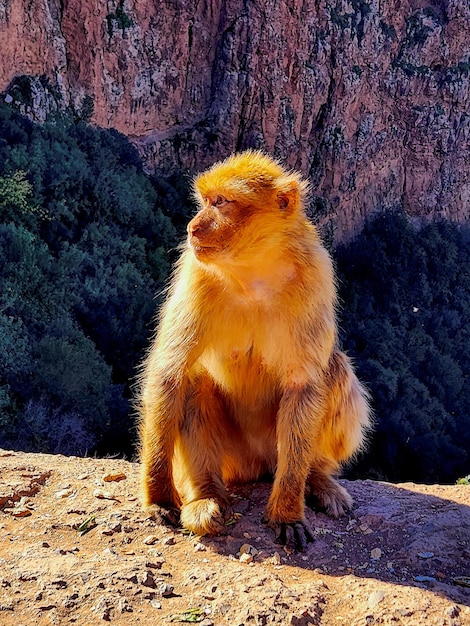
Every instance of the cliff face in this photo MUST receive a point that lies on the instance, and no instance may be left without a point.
(369, 99)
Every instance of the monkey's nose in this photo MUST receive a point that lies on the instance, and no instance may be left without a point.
(194, 229)
(198, 229)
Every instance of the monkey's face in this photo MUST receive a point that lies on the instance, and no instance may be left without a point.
(246, 204)
(213, 231)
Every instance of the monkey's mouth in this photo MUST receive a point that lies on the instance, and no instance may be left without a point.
(203, 251)
(201, 247)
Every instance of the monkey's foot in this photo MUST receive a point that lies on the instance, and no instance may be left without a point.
(164, 515)
(294, 535)
(327, 494)
(206, 516)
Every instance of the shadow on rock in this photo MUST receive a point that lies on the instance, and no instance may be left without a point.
(397, 534)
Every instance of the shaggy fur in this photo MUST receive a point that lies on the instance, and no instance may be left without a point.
(245, 376)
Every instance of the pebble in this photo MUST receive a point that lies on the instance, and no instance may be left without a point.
(64, 493)
(199, 547)
(375, 554)
(102, 609)
(374, 598)
(23, 512)
(453, 611)
(248, 549)
(150, 540)
(124, 606)
(246, 558)
(165, 589)
(275, 559)
(147, 579)
(169, 541)
(425, 579)
(108, 478)
(104, 495)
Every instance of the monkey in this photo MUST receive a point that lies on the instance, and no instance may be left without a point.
(245, 377)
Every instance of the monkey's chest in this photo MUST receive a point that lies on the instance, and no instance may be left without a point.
(244, 373)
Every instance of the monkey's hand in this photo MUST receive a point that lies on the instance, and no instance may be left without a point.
(294, 535)
(164, 515)
(207, 516)
(328, 495)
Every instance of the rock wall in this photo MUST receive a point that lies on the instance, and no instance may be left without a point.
(369, 99)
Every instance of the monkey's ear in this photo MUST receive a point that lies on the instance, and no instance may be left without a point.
(288, 195)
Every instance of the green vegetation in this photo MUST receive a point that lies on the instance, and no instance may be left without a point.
(87, 239)
(83, 249)
(406, 306)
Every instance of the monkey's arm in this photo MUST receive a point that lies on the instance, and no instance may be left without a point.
(299, 420)
(296, 435)
(163, 392)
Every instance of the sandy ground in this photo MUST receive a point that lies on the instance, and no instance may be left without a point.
(76, 548)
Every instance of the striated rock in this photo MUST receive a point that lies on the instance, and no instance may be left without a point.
(369, 99)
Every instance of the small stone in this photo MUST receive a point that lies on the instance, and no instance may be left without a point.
(248, 549)
(156, 605)
(153, 552)
(375, 554)
(246, 558)
(64, 493)
(150, 540)
(60, 583)
(169, 541)
(124, 606)
(102, 609)
(165, 589)
(108, 478)
(22, 512)
(453, 611)
(374, 598)
(425, 579)
(199, 547)
(147, 579)
(104, 495)
(275, 559)
(426, 555)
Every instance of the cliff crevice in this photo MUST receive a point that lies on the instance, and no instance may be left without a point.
(369, 99)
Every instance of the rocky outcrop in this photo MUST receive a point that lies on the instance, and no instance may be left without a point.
(369, 99)
(76, 548)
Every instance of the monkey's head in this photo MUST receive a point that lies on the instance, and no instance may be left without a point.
(246, 203)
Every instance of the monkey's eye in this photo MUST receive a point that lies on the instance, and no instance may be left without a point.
(219, 201)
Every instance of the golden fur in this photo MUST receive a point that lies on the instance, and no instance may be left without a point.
(245, 376)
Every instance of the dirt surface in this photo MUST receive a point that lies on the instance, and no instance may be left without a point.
(76, 548)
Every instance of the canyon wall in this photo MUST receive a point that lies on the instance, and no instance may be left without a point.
(368, 99)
